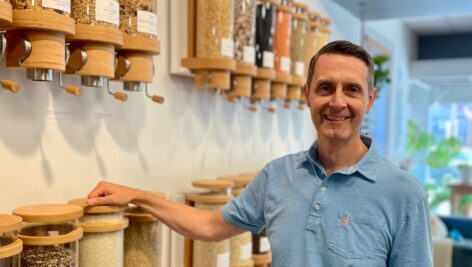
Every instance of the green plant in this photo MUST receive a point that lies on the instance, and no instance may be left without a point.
(381, 74)
(423, 147)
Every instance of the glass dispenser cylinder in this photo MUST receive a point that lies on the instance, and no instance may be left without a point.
(50, 235)
(210, 254)
(10, 245)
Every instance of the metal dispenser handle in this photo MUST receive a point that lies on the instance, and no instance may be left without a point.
(117, 95)
(3, 44)
(11, 86)
(156, 98)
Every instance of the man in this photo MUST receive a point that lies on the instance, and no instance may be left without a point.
(337, 204)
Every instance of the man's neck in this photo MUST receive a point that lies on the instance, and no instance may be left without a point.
(334, 155)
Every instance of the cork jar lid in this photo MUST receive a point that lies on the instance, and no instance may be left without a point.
(9, 223)
(213, 185)
(82, 202)
(237, 180)
(49, 212)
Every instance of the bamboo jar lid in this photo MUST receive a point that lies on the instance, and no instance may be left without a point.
(213, 185)
(136, 214)
(9, 223)
(302, 6)
(237, 180)
(5, 13)
(49, 212)
(82, 202)
(220, 191)
(12, 249)
(325, 21)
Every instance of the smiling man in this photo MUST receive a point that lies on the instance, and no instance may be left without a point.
(337, 204)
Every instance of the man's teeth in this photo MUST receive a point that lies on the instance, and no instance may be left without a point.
(336, 118)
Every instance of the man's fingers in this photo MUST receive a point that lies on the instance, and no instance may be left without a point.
(98, 191)
(99, 201)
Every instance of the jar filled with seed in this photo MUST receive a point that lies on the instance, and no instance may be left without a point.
(10, 245)
(325, 31)
(142, 238)
(50, 235)
(299, 24)
(283, 30)
(59, 6)
(96, 12)
(139, 18)
(244, 30)
(215, 32)
(216, 193)
(102, 244)
(240, 245)
(265, 27)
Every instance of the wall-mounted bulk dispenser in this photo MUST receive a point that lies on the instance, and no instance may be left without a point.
(5, 21)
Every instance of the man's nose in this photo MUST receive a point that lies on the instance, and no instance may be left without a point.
(337, 100)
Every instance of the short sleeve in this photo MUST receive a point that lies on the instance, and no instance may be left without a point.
(247, 210)
(412, 244)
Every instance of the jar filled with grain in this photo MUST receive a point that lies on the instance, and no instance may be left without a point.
(96, 12)
(283, 30)
(215, 29)
(5, 13)
(139, 18)
(59, 6)
(265, 27)
(325, 31)
(10, 245)
(50, 235)
(240, 245)
(311, 38)
(300, 20)
(216, 194)
(102, 244)
(142, 238)
(244, 30)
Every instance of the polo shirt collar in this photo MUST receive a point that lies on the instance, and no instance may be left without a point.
(366, 166)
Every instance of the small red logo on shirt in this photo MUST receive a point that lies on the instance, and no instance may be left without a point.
(345, 220)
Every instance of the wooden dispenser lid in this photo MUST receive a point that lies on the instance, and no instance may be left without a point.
(260, 259)
(49, 212)
(269, 1)
(237, 180)
(30, 19)
(300, 5)
(136, 214)
(265, 74)
(282, 77)
(98, 33)
(284, 8)
(325, 21)
(9, 223)
(12, 249)
(297, 81)
(213, 185)
(82, 202)
(5, 13)
(209, 63)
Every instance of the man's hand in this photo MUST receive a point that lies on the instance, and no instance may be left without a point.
(109, 194)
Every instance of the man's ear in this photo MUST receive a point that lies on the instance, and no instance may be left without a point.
(306, 92)
(372, 96)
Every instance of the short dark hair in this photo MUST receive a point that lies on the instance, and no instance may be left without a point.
(346, 48)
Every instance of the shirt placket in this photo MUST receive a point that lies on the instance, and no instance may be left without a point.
(317, 209)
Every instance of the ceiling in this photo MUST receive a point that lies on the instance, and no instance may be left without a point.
(424, 17)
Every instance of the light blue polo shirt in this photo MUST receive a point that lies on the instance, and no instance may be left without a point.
(370, 214)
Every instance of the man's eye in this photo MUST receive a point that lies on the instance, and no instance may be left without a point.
(324, 88)
(354, 89)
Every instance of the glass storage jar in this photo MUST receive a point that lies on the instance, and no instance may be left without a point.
(311, 38)
(96, 12)
(102, 244)
(10, 245)
(261, 249)
(215, 31)
(139, 17)
(210, 254)
(265, 26)
(300, 20)
(325, 31)
(240, 245)
(283, 30)
(50, 235)
(244, 30)
(59, 6)
(142, 238)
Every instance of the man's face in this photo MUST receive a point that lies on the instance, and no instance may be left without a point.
(339, 96)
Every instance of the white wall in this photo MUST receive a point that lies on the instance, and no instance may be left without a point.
(54, 147)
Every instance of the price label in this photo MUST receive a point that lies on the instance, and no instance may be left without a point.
(300, 68)
(285, 64)
(222, 260)
(264, 245)
(62, 5)
(108, 11)
(249, 55)
(268, 60)
(147, 22)
(227, 47)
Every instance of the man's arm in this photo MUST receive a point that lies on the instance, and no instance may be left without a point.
(188, 221)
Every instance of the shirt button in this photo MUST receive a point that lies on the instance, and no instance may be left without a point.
(323, 189)
(316, 207)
